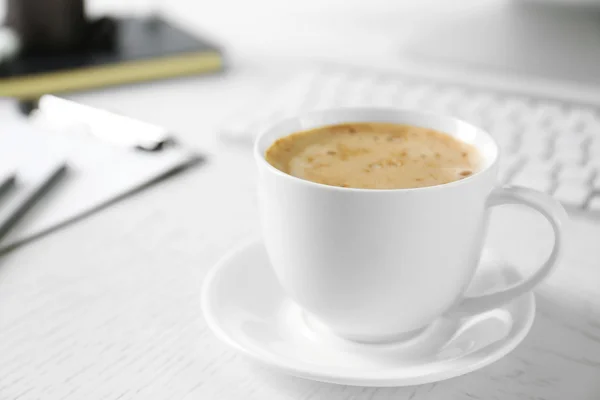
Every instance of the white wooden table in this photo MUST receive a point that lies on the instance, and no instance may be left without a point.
(108, 308)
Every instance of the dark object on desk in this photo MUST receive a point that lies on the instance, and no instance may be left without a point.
(48, 26)
(31, 196)
(27, 106)
(7, 181)
(144, 49)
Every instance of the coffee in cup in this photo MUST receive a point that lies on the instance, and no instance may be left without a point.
(374, 155)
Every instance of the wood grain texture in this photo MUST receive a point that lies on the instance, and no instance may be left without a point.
(109, 308)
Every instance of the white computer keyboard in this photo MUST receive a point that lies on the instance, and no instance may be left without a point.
(551, 146)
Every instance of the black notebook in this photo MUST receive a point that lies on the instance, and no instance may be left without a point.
(146, 49)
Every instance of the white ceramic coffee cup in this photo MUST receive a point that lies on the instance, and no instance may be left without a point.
(374, 265)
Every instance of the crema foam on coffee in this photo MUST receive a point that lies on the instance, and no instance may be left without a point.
(374, 156)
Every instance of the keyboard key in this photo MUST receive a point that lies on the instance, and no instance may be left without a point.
(544, 114)
(594, 147)
(572, 194)
(575, 173)
(501, 110)
(593, 160)
(508, 165)
(447, 100)
(568, 155)
(570, 141)
(587, 121)
(541, 166)
(506, 143)
(518, 109)
(537, 181)
(418, 95)
(594, 204)
(534, 145)
(596, 181)
(578, 120)
(484, 103)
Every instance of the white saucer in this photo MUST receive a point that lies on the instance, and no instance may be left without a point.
(246, 308)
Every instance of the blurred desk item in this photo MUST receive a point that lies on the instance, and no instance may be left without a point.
(61, 51)
(145, 50)
(30, 192)
(49, 26)
(7, 181)
(554, 39)
(101, 171)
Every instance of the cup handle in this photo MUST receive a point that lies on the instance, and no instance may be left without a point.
(554, 213)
